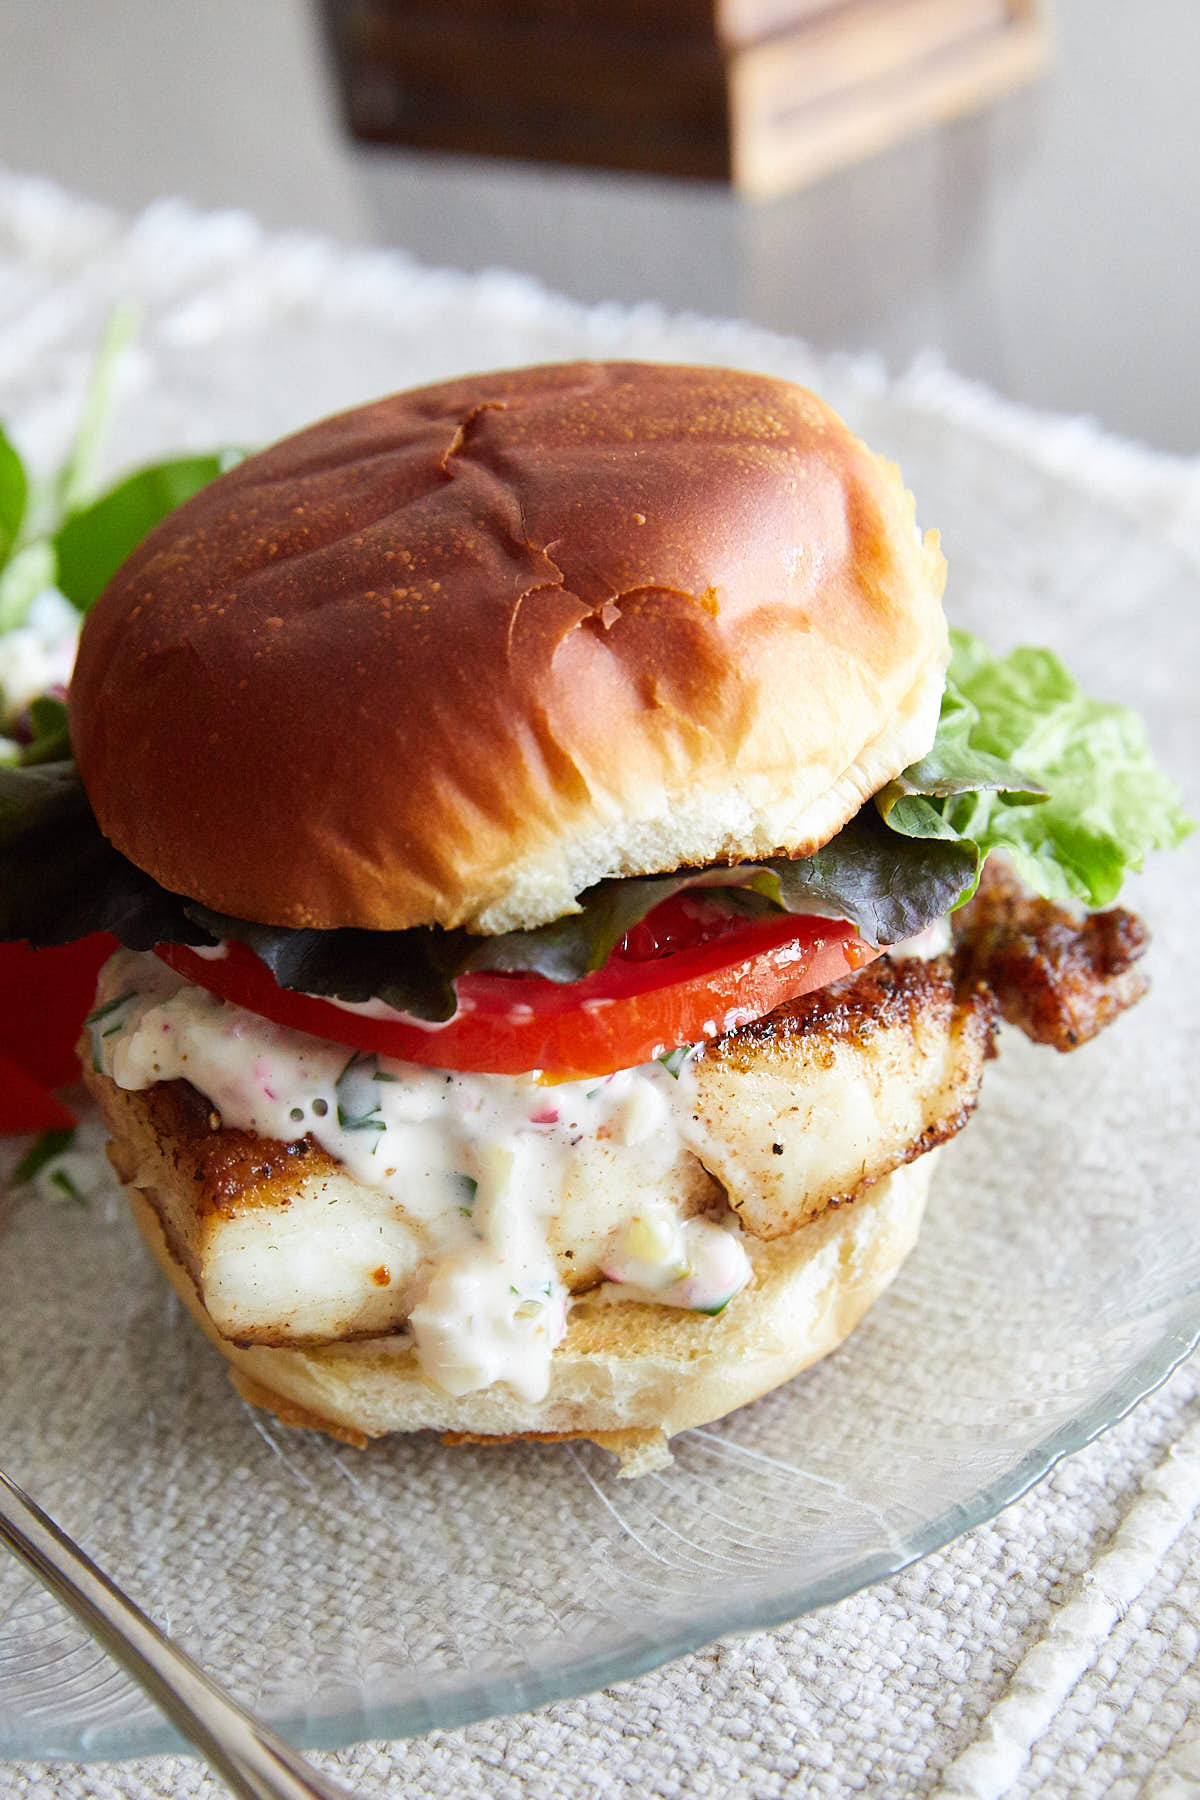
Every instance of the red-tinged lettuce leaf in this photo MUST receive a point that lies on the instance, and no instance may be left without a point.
(60, 878)
(888, 885)
(411, 970)
(26, 1106)
(582, 941)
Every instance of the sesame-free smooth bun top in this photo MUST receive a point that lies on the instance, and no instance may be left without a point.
(452, 657)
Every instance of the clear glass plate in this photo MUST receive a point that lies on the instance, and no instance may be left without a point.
(346, 1594)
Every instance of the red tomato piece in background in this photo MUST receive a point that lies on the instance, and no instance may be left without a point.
(44, 997)
(25, 1104)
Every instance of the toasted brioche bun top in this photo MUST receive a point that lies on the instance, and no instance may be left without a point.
(452, 657)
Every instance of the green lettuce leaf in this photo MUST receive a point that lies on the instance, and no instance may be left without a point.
(1108, 803)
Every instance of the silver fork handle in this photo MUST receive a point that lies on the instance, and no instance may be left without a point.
(256, 1764)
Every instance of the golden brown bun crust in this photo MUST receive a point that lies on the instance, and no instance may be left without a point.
(453, 656)
(627, 1375)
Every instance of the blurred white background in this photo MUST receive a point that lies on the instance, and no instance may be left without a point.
(1048, 245)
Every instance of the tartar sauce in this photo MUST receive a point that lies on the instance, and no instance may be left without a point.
(476, 1162)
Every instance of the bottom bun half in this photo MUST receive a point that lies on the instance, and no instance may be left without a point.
(627, 1375)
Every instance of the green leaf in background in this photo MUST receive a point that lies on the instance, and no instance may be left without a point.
(75, 482)
(22, 580)
(51, 740)
(93, 543)
(43, 1150)
(14, 491)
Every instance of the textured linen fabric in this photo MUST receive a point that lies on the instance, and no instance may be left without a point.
(895, 1691)
(1050, 1651)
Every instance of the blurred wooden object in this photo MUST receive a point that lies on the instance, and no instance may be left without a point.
(764, 94)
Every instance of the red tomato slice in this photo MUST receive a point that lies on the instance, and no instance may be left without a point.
(626, 1013)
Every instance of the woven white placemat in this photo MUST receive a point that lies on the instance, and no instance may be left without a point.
(1052, 1651)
